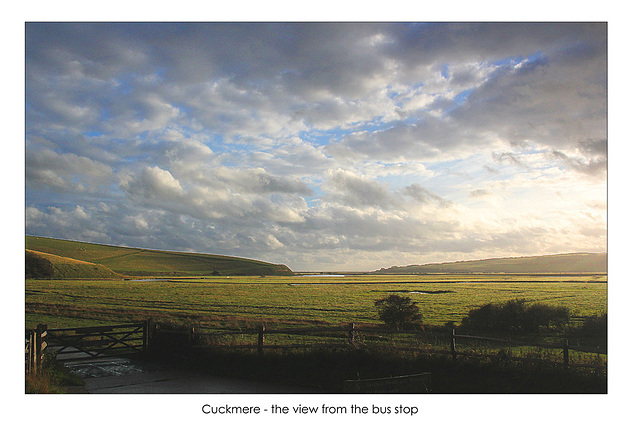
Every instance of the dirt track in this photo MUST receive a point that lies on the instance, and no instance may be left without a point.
(122, 376)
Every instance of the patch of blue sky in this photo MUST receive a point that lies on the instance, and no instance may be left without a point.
(392, 94)
(213, 140)
(459, 100)
(135, 159)
(233, 154)
(93, 133)
(143, 136)
(324, 137)
(374, 126)
(445, 71)
(411, 120)
(161, 73)
(330, 136)
(184, 109)
(313, 199)
(397, 174)
(444, 170)
(462, 97)
(125, 83)
(399, 181)
(515, 60)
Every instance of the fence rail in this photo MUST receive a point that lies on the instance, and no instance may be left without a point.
(350, 332)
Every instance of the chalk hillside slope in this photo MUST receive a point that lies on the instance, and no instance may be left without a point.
(147, 262)
(561, 263)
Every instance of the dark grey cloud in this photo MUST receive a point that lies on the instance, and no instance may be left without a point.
(259, 181)
(357, 191)
(589, 166)
(423, 195)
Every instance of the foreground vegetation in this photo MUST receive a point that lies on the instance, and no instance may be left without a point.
(53, 378)
(325, 371)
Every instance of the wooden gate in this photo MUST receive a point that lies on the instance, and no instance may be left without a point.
(98, 341)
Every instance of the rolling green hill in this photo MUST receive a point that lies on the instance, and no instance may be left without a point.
(562, 263)
(147, 262)
(42, 265)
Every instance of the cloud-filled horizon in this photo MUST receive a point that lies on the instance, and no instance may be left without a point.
(323, 146)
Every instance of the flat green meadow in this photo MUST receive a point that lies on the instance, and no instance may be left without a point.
(213, 303)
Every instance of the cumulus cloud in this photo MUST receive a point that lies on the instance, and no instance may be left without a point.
(59, 172)
(153, 183)
(317, 142)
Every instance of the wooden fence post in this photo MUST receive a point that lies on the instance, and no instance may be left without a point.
(260, 339)
(453, 344)
(40, 344)
(31, 352)
(145, 336)
(352, 333)
(565, 353)
(192, 332)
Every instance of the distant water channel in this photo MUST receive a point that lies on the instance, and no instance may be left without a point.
(322, 275)
(157, 279)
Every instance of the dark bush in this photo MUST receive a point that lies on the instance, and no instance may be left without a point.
(399, 312)
(546, 317)
(592, 332)
(516, 317)
(595, 326)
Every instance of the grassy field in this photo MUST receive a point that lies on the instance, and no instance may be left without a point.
(239, 302)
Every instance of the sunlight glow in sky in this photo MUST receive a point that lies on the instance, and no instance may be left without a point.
(323, 146)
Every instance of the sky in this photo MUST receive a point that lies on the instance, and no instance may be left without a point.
(323, 146)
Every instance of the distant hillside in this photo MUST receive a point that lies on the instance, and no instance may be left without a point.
(147, 262)
(563, 263)
(40, 265)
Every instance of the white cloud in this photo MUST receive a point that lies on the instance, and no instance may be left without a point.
(153, 182)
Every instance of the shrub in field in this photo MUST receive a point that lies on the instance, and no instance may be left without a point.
(399, 312)
(516, 317)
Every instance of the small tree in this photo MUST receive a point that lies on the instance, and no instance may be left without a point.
(399, 312)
